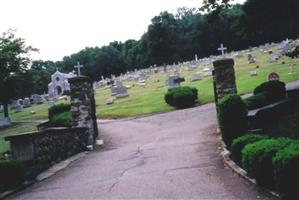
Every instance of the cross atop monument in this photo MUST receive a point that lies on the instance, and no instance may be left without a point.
(78, 66)
(222, 49)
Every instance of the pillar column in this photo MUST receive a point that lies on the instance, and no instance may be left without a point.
(224, 78)
(83, 106)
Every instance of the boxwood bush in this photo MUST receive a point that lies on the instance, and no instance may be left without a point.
(286, 126)
(257, 101)
(11, 173)
(286, 170)
(240, 142)
(62, 120)
(275, 90)
(232, 118)
(181, 97)
(57, 109)
(257, 159)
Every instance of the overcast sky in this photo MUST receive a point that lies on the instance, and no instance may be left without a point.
(62, 27)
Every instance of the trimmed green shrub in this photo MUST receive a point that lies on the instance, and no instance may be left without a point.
(232, 118)
(11, 173)
(286, 126)
(62, 120)
(181, 97)
(240, 142)
(257, 159)
(59, 108)
(275, 90)
(286, 170)
(257, 101)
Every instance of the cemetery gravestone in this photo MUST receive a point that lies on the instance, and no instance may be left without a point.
(5, 122)
(142, 78)
(119, 90)
(18, 108)
(26, 103)
(274, 58)
(78, 67)
(195, 77)
(109, 101)
(174, 81)
(14, 105)
(222, 49)
(37, 99)
(207, 72)
(253, 73)
(251, 59)
(224, 78)
(51, 103)
(20, 101)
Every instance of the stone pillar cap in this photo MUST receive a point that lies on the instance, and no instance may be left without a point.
(79, 79)
(223, 62)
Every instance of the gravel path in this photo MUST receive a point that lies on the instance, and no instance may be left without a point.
(174, 155)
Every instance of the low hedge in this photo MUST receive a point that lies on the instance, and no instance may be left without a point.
(62, 120)
(57, 109)
(257, 159)
(11, 173)
(232, 118)
(240, 142)
(286, 170)
(275, 90)
(286, 126)
(257, 101)
(181, 97)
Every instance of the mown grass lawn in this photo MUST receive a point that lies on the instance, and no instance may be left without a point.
(150, 99)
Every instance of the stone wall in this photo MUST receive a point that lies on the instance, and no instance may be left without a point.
(224, 78)
(83, 106)
(46, 147)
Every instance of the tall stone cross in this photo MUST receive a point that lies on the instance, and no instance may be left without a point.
(222, 49)
(78, 66)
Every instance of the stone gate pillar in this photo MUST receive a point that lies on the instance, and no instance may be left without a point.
(83, 106)
(224, 78)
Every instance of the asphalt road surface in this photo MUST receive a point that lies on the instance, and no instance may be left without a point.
(173, 155)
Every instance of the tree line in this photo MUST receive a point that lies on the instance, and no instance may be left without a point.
(175, 37)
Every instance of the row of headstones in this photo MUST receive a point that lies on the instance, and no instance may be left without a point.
(17, 105)
(141, 76)
(282, 49)
(172, 81)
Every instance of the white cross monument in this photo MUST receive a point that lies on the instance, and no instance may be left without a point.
(222, 49)
(78, 66)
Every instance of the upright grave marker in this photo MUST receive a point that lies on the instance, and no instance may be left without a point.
(78, 67)
(224, 78)
(222, 49)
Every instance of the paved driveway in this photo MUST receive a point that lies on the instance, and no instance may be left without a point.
(173, 155)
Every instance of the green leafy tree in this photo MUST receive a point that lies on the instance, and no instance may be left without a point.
(270, 21)
(14, 59)
(209, 5)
